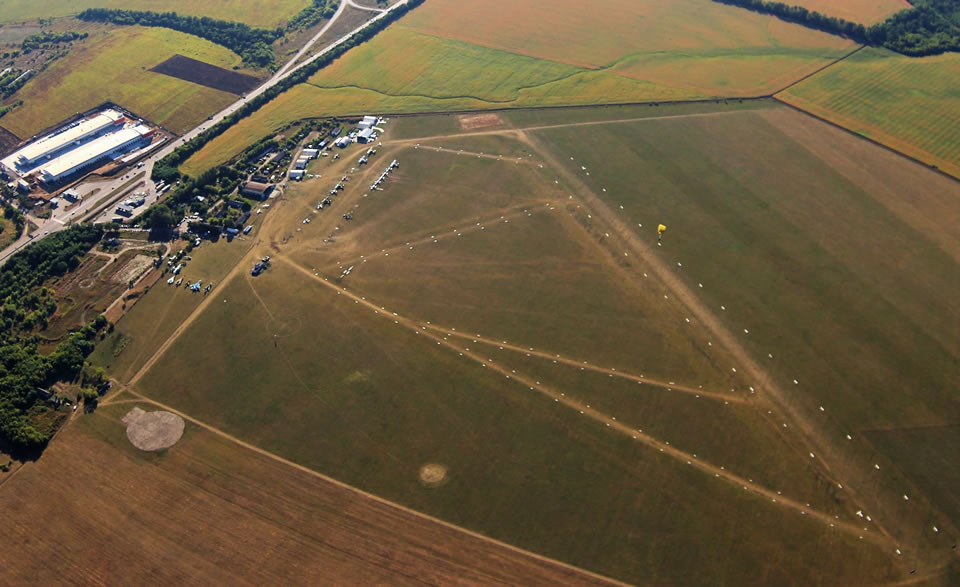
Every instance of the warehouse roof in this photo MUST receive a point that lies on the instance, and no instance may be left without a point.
(91, 125)
(93, 150)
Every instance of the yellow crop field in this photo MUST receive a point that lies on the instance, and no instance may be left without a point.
(449, 55)
(862, 11)
(252, 12)
(603, 32)
(909, 104)
(115, 67)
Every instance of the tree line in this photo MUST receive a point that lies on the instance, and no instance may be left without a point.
(251, 44)
(918, 31)
(41, 39)
(166, 168)
(27, 421)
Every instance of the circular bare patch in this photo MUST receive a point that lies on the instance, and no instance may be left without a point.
(86, 283)
(433, 475)
(153, 430)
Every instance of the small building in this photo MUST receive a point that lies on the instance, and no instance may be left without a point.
(342, 142)
(301, 163)
(336, 132)
(310, 153)
(247, 229)
(367, 122)
(23, 186)
(366, 136)
(54, 202)
(232, 231)
(71, 195)
(296, 174)
(256, 189)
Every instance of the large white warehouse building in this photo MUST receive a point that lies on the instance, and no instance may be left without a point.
(105, 147)
(51, 146)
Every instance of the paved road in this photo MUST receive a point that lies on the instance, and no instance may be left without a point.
(63, 218)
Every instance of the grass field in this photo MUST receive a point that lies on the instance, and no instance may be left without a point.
(448, 55)
(818, 263)
(502, 318)
(906, 103)
(863, 11)
(262, 521)
(252, 12)
(113, 66)
(8, 232)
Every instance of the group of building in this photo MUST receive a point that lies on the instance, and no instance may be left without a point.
(77, 147)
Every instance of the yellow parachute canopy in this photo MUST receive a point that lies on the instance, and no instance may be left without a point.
(661, 229)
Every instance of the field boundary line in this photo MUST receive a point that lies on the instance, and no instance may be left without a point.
(304, 469)
(895, 151)
(602, 418)
(819, 70)
(585, 366)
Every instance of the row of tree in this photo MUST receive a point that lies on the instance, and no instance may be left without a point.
(25, 416)
(315, 12)
(46, 38)
(252, 44)
(921, 30)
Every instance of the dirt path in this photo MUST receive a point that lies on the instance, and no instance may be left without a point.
(608, 421)
(767, 390)
(585, 366)
(502, 131)
(526, 209)
(308, 471)
(474, 154)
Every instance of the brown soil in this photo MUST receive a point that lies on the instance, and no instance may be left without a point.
(480, 121)
(207, 75)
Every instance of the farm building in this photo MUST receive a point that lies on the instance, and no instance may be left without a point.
(310, 153)
(342, 142)
(367, 122)
(296, 174)
(96, 151)
(301, 163)
(51, 146)
(366, 136)
(256, 189)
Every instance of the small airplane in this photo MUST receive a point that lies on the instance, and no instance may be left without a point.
(196, 286)
(170, 281)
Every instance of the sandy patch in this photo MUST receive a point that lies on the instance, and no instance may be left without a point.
(433, 475)
(479, 121)
(133, 269)
(153, 430)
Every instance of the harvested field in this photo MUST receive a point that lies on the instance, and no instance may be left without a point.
(263, 521)
(252, 12)
(908, 104)
(112, 66)
(207, 75)
(862, 11)
(133, 269)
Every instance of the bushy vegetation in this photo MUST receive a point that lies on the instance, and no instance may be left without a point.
(24, 415)
(252, 44)
(312, 14)
(931, 27)
(47, 38)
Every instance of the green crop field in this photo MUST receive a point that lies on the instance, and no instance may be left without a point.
(114, 66)
(252, 12)
(863, 11)
(909, 104)
(501, 307)
(449, 55)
